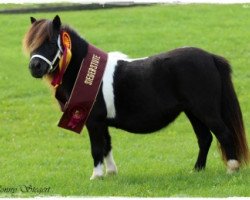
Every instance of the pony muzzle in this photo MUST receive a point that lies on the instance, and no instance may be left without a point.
(52, 64)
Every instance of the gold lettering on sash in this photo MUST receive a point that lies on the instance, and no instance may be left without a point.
(92, 70)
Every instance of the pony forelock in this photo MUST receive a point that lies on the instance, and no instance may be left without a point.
(39, 32)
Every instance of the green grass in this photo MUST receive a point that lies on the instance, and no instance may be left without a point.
(34, 151)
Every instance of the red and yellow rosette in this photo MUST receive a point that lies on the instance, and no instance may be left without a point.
(65, 59)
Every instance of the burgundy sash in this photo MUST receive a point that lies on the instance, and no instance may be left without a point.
(86, 87)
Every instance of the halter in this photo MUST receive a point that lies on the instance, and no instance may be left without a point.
(57, 56)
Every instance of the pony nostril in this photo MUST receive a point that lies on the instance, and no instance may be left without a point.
(38, 65)
(35, 65)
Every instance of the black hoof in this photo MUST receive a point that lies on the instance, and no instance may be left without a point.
(199, 168)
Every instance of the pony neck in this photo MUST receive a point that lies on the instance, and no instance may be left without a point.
(79, 50)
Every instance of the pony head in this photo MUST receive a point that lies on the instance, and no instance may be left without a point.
(42, 43)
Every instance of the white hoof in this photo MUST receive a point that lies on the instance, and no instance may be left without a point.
(232, 166)
(97, 172)
(111, 168)
(96, 177)
(111, 172)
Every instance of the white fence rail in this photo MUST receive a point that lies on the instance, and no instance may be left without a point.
(130, 1)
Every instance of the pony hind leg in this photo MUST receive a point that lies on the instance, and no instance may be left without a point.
(204, 138)
(227, 145)
(215, 123)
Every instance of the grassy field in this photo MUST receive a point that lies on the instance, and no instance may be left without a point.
(34, 151)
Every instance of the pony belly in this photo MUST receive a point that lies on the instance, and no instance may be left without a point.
(144, 100)
(145, 122)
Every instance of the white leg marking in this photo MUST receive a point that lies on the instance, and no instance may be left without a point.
(232, 166)
(110, 164)
(108, 79)
(97, 172)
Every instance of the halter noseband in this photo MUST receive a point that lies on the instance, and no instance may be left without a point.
(51, 63)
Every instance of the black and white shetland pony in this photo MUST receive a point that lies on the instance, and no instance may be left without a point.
(145, 95)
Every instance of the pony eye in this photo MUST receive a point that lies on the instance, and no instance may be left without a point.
(53, 42)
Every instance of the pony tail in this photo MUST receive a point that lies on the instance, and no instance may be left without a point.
(231, 112)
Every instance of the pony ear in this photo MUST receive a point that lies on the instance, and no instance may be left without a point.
(32, 20)
(57, 22)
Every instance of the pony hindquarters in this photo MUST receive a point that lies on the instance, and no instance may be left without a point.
(217, 109)
(210, 102)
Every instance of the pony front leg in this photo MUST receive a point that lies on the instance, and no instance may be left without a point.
(111, 168)
(97, 140)
(97, 172)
